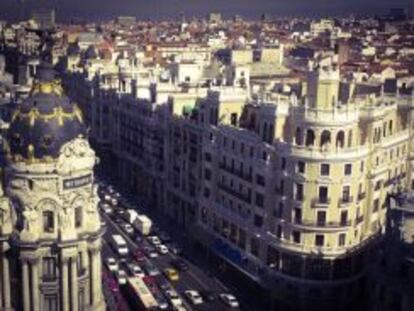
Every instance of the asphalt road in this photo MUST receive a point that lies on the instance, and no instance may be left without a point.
(194, 278)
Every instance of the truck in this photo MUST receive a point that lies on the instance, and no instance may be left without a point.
(130, 216)
(119, 245)
(143, 224)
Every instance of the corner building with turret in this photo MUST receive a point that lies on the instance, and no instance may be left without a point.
(50, 230)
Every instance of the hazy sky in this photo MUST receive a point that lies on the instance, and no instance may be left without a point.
(156, 9)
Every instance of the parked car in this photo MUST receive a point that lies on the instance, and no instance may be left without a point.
(162, 249)
(150, 269)
(135, 270)
(139, 255)
(194, 297)
(173, 298)
(161, 300)
(121, 276)
(112, 264)
(229, 300)
(153, 239)
(151, 252)
(171, 274)
(128, 228)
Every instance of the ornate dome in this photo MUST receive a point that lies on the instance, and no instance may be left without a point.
(44, 122)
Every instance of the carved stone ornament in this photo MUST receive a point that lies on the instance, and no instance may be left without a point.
(75, 154)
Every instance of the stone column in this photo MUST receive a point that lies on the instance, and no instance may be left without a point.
(74, 283)
(5, 283)
(34, 264)
(26, 285)
(95, 275)
(64, 283)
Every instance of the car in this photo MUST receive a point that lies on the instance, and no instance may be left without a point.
(119, 220)
(229, 300)
(150, 269)
(154, 240)
(161, 301)
(151, 252)
(135, 270)
(208, 295)
(114, 202)
(111, 264)
(139, 255)
(179, 264)
(162, 249)
(175, 249)
(121, 276)
(163, 283)
(128, 229)
(171, 274)
(193, 296)
(173, 298)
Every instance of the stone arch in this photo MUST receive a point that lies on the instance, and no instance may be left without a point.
(298, 136)
(340, 139)
(310, 137)
(325, 138)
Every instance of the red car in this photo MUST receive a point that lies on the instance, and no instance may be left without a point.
(139, 255)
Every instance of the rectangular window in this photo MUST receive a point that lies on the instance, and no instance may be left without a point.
(341, 239)
(207, 174)
(296, 236)
(279, 232)
(49, 268)
(258, 221)
(348, 169)
(301, 167)
(259, 199)
(344, 218)
(323, 194)
(361, 168)
(324, 169)
(48, 221)
(319, 240)
(78, 217)
(321, 218)
(346, 191)
(299, 192)
(298, 215)
(283, 164)
(260, 180)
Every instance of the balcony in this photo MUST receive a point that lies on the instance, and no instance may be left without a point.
(240, 196)
(321, 202)
(322, 225)
(345, 201)
(238, 173)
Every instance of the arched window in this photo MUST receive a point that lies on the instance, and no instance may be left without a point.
(298, 136)
(350, 138)
(48, 221)
(310, 138)
(78, 216)
(325, 138)
(340, 139)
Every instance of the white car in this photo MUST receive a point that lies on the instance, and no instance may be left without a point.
(173, 298)
(112, 264)
(194, 297)
(135, 270)
(121, 276)
(154, 240)
(162, 249)
(128, 228)
(229, 300)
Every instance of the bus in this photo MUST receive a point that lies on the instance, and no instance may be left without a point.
(139, 295)
(119, 244)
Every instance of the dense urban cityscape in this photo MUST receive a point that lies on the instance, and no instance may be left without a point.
(207, 163)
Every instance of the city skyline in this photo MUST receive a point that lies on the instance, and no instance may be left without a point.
(161, 9)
